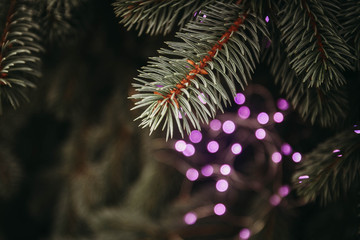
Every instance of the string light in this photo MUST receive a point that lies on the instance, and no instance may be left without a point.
(192, 174)
(219, 209)
(190, 218)
(244, 234)
(260, 133)
(222, 185)
(236, 148)
(213, 146)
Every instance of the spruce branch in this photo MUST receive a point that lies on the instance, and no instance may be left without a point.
(221, 43)
(316, 51)
(155, 16)
(330, 169)
(19, 57)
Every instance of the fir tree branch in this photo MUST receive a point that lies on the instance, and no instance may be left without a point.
(222, 43)
(156, 16)
(19, 61)
(317, 52)
(330, 169)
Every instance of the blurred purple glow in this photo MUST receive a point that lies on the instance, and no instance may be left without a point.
(239, 98)
(180, 145)
(278, 117)
(219, 209)
(195, 136)
(236, 148)
(228, 127)
(179, 115)
(263, 118)
(267, 19)
(244, 234)
(260, 134)
(284, 190)
(286, 149)
(276, 157)
(275, 200)
(222, 185)
(189, 150)
(202, 98)
(336, 150)
(213, 146)
(244, 112)
(215, 125)
(192, 174)
(207, 170)
(357, 131)
(159, 86)
(282, 104)
(225, 169)
(303, 177)
(190, 218)
(296, 157)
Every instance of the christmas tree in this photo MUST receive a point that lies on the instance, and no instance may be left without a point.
(251, 106)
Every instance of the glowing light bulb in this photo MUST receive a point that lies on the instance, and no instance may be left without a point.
(190, 218)
(236, 148)
(278, 117)
(222, 185)
(180, 145)
(263, 118)
(225, 169)
(244, 112)
(195, 136)
(244, 234)
(192, 174)
(207, 170)
(303, 177)
(296, 157)
(260, 133)
(215, 125)
(213, 146)
(276, 157)
(275, 200)
(282, 104)
(189, 150)
(239, 98)
(284, 190)
(219, 209)
(286, 149)
(267, 19)
(228, 127)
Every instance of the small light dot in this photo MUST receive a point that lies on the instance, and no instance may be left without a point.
(190, 218)
(215, 125)
(284, 190)
(202, 98)
(340, 155)
(278, 117)
(192, 174)
(267, 19)
(219, 209)
(180, 145)
(304, 177)
(244, 112)
(296, 157)
(207, 170)
(260, 134)
(189, 150)
(282, 104)
(276, 157)
(275, 200)
(263, 118)
(195, 136)
(236, 148)
(213, 146)
(336, 150)
(228, 127)
(357, 131)
(222, 185)
(286, 149)
(225, 169)
(244, 234)
(179, 115)
(239, 98)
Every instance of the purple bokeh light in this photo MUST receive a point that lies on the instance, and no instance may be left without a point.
(236, 148)
(286, 149)
(180, 145)
(336, 150)
(267, 19)
(225, 169)
(263, 118)
(219, 209)
(284, 190)
(215, 125)
(282, 104)
(228, 127)
(190, 218)
(239, 98)
(195, 136)
(275, 200)
(296, 157)
(276, 157)
(222, 185)
(192, 174)
(244, 234)
(357, 131)
(278, 117)
(303, 177)
(189, 150)
(260, 133)
(213, 146)
(207, 170)
(244, 112)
